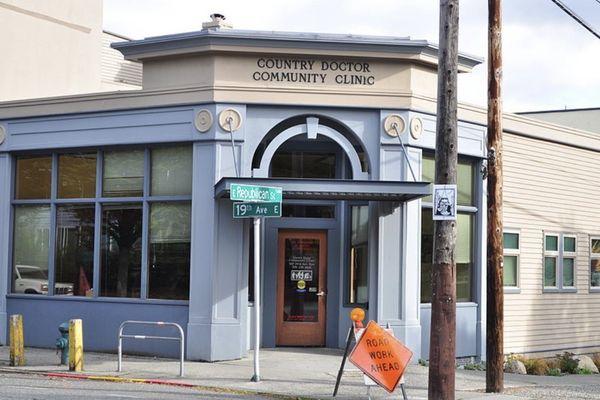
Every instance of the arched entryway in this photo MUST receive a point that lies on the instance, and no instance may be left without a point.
(308, 250)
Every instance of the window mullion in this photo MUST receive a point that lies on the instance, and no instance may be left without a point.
(145, 227)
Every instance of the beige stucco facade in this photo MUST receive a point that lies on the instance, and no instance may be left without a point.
(54, 48)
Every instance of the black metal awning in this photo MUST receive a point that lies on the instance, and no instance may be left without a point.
(333, 189)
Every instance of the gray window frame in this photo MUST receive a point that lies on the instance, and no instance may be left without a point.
(560, 254)
(346, 256)
(98, 201)
(514, 252)
(593, 256)
(474, 211)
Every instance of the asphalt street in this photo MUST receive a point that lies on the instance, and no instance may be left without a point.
(32, 387)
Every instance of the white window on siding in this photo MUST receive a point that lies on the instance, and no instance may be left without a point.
(512, 249)
(595, 263)
(560, 255)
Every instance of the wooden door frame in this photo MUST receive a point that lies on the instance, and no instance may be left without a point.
(301, 338)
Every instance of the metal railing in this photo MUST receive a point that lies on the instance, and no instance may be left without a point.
(180, 339)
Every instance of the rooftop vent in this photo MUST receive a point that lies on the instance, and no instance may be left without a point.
(217, 21)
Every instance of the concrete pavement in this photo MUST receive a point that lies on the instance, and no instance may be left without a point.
(286, 373)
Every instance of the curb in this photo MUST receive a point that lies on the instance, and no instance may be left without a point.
(118, 379)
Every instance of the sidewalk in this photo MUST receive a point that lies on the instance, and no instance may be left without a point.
(285, 373)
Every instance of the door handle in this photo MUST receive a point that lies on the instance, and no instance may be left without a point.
(321, 294)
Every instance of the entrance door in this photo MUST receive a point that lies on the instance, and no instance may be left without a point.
(301, 288)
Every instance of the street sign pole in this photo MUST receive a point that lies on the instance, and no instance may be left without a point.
(256, 376)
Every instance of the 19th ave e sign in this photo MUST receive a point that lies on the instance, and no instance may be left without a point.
(254, 210)
(381, 356)
(265, 194)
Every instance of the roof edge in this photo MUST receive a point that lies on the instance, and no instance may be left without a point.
(191, 42)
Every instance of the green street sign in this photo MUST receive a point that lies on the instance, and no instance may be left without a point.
(253, 210)
(263, 194)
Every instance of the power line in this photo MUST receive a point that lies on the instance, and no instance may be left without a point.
(576, 17)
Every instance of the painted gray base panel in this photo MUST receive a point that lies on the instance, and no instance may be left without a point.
(101, 320)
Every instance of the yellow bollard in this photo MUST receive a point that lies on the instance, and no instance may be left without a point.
(75, 345)
(17, 350)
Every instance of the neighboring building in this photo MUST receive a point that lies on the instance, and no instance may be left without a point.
(57, 48)
(587, 119)
(115, 206)
(552, 234)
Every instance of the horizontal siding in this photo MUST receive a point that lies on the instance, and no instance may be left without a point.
(550, 187)
(115, 69)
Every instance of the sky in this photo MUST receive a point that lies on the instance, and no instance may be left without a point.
(549, 60)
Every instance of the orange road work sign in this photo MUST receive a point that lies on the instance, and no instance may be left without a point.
(381, 356)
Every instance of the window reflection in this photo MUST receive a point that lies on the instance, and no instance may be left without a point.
(123, 174)
(33, 177)
(172, 171)
(463, 254)
(74, 250)
(121, 250)
(31, 237)
(77, 176)
(359, 255)
(169, 258)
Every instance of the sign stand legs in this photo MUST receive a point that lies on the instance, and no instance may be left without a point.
(341, 371)
(256, 376)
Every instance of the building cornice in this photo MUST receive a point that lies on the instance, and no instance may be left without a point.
(267, 41)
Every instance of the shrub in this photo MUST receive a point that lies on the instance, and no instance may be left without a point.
(554, 372)
(475, 366)
(584, 371)
(536, 366)
(567, 363)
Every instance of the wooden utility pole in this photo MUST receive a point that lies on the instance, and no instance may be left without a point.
(495, 260)
(442, 348)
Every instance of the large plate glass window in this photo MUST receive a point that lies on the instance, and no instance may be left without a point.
(74, 261)
(464, 256)
(112, 217)
(31, 249)
(511, 259)
(169, 257)
(121, 250)
(465, 223)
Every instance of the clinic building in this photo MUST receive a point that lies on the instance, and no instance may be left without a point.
(115, 206)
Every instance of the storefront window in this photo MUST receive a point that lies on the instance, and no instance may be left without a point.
(123, 174)
(74, 263)
(33, 180)
(132, 243)
(358, 271)
(463, 254)
(465, 227)
(465, 176)
(172, 171)
(121, 249)
(30, 256)
(76, 176)
(169, 256)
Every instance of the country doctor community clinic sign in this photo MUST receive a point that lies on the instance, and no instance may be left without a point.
(325, 72)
